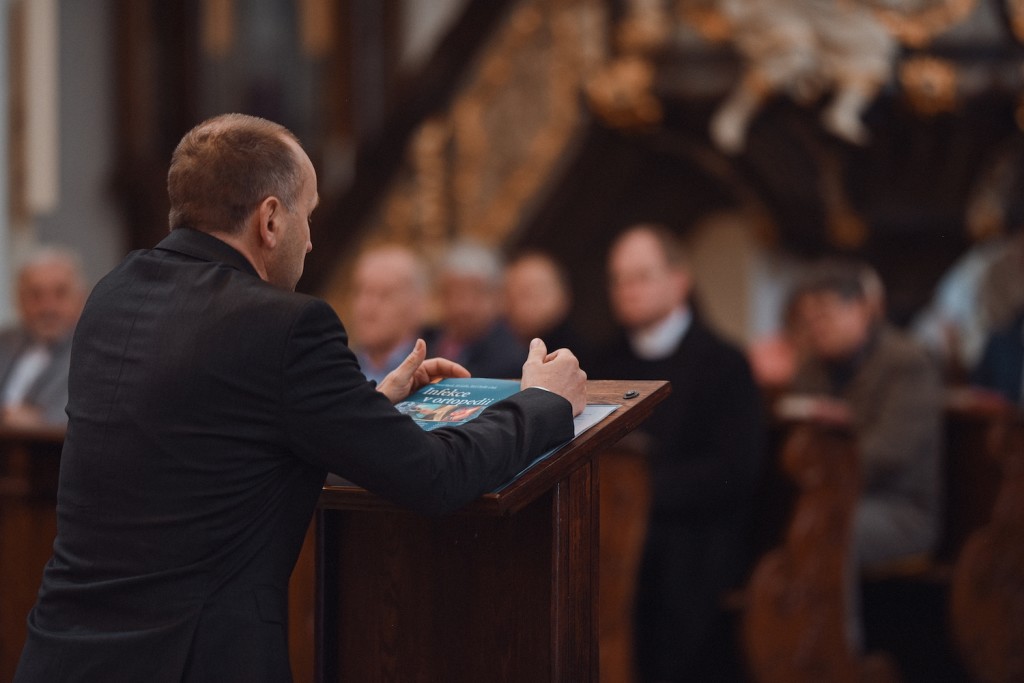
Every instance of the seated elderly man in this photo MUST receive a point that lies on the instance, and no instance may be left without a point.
(389, 301)
(34, 354)
(472, 331)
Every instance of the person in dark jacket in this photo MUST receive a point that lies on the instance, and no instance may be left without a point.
(705, 454)
(208, 400)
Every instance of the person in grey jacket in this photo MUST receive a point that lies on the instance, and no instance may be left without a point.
(35, 353)
(893, 392)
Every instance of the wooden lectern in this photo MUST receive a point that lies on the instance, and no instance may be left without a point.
(29, 462)
(504, 590)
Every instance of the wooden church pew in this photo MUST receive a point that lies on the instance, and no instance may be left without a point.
(29, 462)
(795, 607)
(987, 592)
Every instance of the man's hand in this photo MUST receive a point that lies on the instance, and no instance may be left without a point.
(415, 372)
(558, 372)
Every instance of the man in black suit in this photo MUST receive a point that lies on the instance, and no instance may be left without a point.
(704, 453)
(207, 402)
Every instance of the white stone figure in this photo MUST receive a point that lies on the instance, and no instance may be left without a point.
(806, 48)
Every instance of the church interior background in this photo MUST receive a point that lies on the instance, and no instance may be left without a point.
(769, 131)
(765, 132)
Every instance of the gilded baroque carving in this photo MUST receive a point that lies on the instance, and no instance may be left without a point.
(917, 27)
(622, 91)
(474, 169)
(930, 85)
(809, 48)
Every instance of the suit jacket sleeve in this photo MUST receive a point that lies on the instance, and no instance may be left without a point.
(334, 418)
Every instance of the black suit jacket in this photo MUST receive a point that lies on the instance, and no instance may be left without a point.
(206, 407)
(705, 456)
(1002, 363)
(707, 434)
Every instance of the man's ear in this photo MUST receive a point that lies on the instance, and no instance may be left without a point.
(268, 213)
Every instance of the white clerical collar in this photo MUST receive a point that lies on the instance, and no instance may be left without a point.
(661, 340)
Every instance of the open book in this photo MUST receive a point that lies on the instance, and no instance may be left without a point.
(451, 402)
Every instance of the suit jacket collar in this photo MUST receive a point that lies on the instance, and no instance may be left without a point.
(206, 247)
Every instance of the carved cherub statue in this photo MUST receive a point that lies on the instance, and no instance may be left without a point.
(807, 48)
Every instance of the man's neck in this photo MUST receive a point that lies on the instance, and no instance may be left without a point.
(239, 243)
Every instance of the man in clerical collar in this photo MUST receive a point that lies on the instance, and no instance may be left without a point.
(389, 299)
(704, 453)
(34, 355)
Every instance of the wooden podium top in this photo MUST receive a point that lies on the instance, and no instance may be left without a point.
(541, 477)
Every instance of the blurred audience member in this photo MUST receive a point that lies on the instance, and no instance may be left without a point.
(472, 332)
(706, 442)
(894, 393)
(538, 299)
(389, 301)
(955, 323)
(774, 359)
(34, 355)
(1002, 362)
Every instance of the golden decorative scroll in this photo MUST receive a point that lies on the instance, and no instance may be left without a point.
(217, 25)
(475, 169)
(706, 18)
(316, 27)
(917, 29)
(930, 85)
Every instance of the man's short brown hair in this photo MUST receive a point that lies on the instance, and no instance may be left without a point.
(224, 167)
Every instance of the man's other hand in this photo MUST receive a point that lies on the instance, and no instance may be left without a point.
(415, 372)
(558, 372)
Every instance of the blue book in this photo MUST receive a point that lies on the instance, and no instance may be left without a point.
(451, 402)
